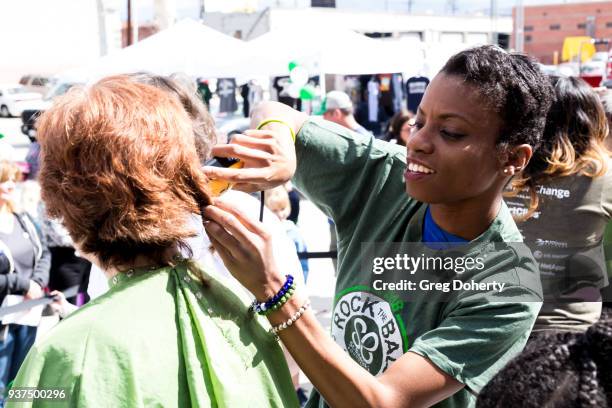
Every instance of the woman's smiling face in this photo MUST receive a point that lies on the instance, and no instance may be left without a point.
(451, 153)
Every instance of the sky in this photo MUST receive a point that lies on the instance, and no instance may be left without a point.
(190, 8)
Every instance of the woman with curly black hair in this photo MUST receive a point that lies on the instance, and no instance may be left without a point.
(479, 122)
(559, 369)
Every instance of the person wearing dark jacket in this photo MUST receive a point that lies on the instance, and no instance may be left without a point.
(24, 271)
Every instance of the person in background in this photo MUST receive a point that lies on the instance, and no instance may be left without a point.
(24, 279)
(400, 127)
(68, 269)
(338, 108)
(204, 92)
(32, 159)
(294, 200)
(606, 100)
(574, 205)
(560, 369)
(246, 103)
(277, 200)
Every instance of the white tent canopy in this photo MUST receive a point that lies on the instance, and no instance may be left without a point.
(188, 47)
(331, 51)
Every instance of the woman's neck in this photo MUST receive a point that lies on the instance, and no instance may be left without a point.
(467, 220)
(140, 261)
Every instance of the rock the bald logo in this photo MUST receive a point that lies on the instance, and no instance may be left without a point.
(365, 326)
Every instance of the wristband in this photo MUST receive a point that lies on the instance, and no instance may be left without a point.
(282, 122)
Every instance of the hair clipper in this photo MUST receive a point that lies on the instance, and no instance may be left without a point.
(217, 187)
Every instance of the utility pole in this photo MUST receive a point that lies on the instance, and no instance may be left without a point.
(129, 23)
(103, 32)
(135, 25)
(494, 14)
(202, 9)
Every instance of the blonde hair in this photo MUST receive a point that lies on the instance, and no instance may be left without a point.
(277, 200)
(9, 170)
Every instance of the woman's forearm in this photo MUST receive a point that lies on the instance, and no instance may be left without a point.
(339, 379)
(411, 381)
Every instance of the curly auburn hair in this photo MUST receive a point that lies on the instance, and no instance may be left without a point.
(513, 86)
(119, 168)
(557, 370)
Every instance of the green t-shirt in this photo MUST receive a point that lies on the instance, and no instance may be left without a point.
(358, 182)
(161, 339)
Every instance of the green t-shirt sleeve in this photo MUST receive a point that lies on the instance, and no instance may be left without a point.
(476, 339)
(338, 169)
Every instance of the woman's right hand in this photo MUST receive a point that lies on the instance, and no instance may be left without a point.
(268, 158)
(245, 246)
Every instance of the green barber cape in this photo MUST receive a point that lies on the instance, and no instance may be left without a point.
(161, 338)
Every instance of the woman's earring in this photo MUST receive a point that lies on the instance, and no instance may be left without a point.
(506, 171)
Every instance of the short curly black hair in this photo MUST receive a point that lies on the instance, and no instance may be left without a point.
(557, 369)
(513, 86)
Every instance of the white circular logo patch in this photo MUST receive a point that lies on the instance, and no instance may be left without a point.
(365, 326)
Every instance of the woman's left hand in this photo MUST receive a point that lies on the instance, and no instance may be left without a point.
(245, 247)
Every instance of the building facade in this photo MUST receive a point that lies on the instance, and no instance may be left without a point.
(545, 27)
(466, 30)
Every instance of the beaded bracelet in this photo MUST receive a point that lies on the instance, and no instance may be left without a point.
(276, 301)
(275, 329)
